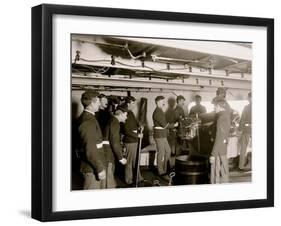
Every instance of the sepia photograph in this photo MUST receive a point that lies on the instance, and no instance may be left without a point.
(152, 112)
(139, 112)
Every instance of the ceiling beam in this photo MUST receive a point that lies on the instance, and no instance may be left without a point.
(186, 84)
(225, 49)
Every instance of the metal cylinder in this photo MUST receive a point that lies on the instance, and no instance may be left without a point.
(191, 170)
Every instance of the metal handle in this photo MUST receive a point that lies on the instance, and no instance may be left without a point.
(171, 175)
(156, 183)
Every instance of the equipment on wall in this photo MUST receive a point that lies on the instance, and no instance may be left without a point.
(142, 122)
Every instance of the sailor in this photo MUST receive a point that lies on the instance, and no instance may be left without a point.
(179, 115)
(218, 159)
(245, 126)
(114, 102)
(103, 115)
(170, 118)
(93, 164)
(160, 135)
(131, 138)
(198, 108)
(221, 92)
(179, 112)
(112, 144)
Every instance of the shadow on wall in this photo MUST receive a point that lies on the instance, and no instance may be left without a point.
(74, 110)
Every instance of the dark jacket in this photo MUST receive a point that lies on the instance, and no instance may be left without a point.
(246, 120)
(129, 129)
(170, 118)
(112, 134)
(90, 138)
(179, 113)
(103, 116)
(159, 121)
(223, 124)
(197, 109)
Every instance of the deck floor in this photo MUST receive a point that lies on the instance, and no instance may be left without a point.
(150, 178)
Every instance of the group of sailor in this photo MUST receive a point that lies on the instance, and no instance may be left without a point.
(106, 137)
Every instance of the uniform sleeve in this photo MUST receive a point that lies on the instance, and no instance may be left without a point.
(88, 138)
(221, 136)
(114, 140)
(176, 115)
(128, 129)
(161, 120)
(170, 126)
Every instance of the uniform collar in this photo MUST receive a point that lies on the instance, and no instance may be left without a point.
(93, 113)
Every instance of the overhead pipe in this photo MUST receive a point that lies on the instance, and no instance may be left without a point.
(165, 59)
(126, 47)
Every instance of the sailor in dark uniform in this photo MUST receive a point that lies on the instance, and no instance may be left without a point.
(179, 115)
(160, 135)
(179, 112)
(131, 138)
(170, 118)
(112, 143)
(245, 126)
(218, 159)
(198, 108)
(93, 159)
(103, 115)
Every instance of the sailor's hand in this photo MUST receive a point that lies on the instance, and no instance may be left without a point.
(141, 127)
(102, 175)
(140, 135)
(123, 161)
(176, 124)
(212, 159)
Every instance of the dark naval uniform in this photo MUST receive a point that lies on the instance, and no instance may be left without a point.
(172, 134)
(177, 143)
(197, 109)
(179, 113)
(160, 135)
(112, 148)
(103, 116)
(220, 169)
(93, 159)
(131, 142)
(245, 126)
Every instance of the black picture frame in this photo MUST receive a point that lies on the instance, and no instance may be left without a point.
(42, 107)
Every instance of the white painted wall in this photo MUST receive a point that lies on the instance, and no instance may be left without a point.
(189, 96)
